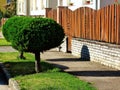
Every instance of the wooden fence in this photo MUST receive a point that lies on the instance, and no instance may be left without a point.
(51, 13)
(101, 25)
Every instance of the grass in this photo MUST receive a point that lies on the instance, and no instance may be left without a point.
(50, 79)
(3, 42)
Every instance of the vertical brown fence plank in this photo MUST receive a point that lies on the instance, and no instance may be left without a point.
(102, 24)
(99, 25)
(110, 23)
(117, 24)
(113, 26)
(118, 36)
(78, 25)
(106, 24)
(83, 18)
(94, 26)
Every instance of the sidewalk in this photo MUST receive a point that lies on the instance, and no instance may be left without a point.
(102, 77)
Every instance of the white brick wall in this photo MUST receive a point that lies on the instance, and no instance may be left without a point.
(104, 53)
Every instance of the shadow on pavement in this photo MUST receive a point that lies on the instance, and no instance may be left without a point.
(62, 67)
(96, 73)
(67, 59)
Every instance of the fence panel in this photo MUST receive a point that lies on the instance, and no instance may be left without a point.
(100, 25)
(52, 14)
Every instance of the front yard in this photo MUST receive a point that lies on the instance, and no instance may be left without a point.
(51, 78)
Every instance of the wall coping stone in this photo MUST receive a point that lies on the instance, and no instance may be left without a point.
(98, 43)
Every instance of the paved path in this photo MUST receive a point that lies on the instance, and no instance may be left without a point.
(6, 49)
(102, 77)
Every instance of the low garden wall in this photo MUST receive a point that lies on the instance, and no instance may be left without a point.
(104, 53)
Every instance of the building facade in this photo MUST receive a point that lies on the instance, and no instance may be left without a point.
(94, 4)
(34, 7)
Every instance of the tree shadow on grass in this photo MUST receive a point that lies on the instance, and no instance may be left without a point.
(19, 68)
(26, 68)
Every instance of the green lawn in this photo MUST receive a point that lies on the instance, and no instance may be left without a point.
(3, 42)
(50, 79)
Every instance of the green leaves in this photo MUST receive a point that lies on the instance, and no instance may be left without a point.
(33, 34)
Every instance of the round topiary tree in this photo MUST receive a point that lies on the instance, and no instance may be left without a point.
(34, 35)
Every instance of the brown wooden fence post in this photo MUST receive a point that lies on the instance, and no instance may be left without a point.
(46, 11)
(59, 14)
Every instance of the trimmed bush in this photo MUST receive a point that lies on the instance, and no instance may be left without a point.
(33, 34)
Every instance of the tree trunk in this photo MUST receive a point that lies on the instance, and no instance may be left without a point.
(21, 55)
(37, 62)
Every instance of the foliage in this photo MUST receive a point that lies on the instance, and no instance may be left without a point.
(1, 14)
(10, 9)
(7, 29)
(33, 34)
(50, 79)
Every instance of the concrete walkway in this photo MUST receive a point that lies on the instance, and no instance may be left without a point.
(102, 77)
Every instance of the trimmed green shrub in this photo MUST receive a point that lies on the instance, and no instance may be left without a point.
(33, 35)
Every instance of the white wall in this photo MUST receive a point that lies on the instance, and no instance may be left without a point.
(93, 5)
(96, 4)
(37, 7)
(22, 7)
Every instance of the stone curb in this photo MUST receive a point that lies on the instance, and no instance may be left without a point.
(12, 83)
